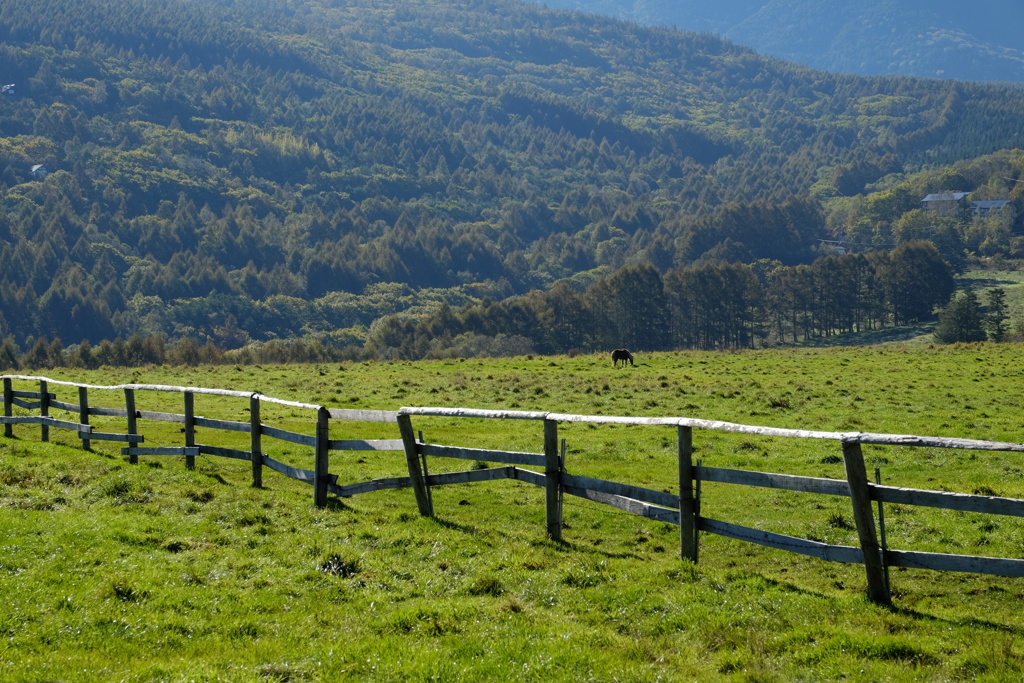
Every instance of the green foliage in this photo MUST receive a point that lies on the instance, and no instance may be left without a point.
(267, 162)
(961, 320)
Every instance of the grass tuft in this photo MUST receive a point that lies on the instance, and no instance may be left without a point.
(336, 566)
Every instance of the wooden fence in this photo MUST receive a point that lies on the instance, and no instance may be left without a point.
(681, 509)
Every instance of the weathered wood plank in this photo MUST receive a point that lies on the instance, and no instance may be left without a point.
(646, 495)
(291, 437)
(290, 404)
(614, 419)
(823, 551)
(30, 394)
(109, 412)
(637, 507)
(945, 500)
(530, 477)
(43, 420)
(110, 436)
(293, 472)
(160, 417)
(995, 566)
(169, 388)
(851, 437)
(470, 476)
(363, 415)
(789, 482)
(225, 452)
(27, 405)
(226, 425)
(370, 486)
(483, 455)
(473, 412)
(933, 442)
(61, 405)
(366, 445)
(160, 450)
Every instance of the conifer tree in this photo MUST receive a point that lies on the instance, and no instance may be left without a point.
(995, 321)
(961, 320)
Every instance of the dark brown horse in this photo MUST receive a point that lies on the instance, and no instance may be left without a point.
(623, 355)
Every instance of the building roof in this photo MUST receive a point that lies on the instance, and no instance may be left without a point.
(945, 197)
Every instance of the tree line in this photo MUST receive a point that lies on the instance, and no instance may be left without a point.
(710, 306)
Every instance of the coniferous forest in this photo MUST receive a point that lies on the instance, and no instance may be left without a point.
(187, 180)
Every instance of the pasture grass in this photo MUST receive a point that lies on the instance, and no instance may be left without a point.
(113, 571)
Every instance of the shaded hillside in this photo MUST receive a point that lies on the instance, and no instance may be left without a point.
(938, 38)
(256, 171)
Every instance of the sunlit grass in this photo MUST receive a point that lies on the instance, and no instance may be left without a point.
(114, 571)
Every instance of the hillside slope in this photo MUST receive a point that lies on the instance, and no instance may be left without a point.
(980, 42)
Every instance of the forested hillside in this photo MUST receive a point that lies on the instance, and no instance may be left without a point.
(234, 172)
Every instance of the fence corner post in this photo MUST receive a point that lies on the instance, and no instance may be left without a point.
(323, 452)
(687, 510)
(552, 479)
(412, 459)
(256, 441)
(860, 495)
(8, 407)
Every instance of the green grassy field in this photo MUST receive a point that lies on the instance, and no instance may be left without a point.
(114, 571)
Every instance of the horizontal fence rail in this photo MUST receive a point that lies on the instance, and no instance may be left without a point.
(546, 470)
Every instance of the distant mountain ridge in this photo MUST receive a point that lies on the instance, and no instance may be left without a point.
(936, 39)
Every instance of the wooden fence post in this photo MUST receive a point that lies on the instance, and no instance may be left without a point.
(561, 489)
(190, 428)
(83, 414)
(860, 495)
(426, 474)
(696, 508)
(44, 410)
(552, 479)
(687, 514)
(412, 459)
(881, 532)
(8, 406)
(133, 426)
(323, 451)
(256, 441)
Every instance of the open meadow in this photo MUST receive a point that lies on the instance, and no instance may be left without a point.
(152, 572)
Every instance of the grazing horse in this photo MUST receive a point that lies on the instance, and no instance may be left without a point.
(623, 355)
